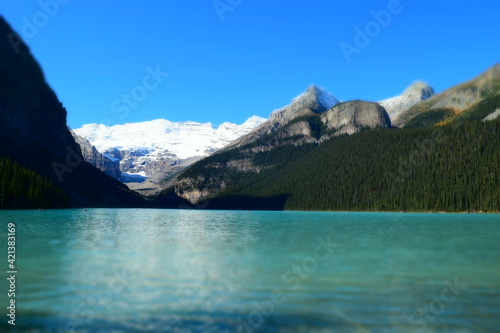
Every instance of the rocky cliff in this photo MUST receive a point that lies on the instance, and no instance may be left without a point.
(109, 166)
(353, 116)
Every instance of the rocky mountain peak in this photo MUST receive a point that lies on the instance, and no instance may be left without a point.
(419, 89)
(318, 99)
(254, 121)
(415, 93)
(458, 98)
(314, 99)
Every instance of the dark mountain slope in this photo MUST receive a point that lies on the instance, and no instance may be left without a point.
(33, 131)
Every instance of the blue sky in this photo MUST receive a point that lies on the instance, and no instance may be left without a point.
(256, 59)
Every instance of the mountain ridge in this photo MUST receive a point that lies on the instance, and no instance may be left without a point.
(452, 103)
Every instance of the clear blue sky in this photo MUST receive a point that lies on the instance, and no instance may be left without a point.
(259, 57)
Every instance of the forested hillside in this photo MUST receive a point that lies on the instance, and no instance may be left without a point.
(454, 168)
(24, 188)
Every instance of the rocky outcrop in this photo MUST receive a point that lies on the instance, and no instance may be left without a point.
(196, 189)
(300, 128)
(109, 166)
(353, 116)
(492, 116)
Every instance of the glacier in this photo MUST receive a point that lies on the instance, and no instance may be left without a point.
(157, 148)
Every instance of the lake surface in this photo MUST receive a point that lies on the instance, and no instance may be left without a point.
(128, 270)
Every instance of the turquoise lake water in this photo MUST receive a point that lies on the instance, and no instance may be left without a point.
(128, 270)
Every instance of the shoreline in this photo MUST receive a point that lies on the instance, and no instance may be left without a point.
(256, 210)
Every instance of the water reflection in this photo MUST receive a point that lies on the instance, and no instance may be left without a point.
(153, 270)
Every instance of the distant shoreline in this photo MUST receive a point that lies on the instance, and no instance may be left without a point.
(256, 210)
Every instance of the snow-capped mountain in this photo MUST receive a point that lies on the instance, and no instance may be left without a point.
(158, 148)
(415, 93)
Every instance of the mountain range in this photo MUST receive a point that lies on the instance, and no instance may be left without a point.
(419, 151)
(149, 152)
